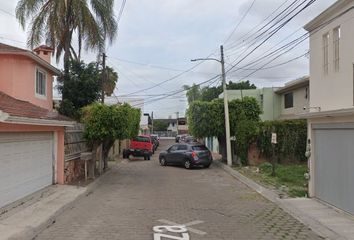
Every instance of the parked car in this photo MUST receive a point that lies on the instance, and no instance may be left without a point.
(187, 155)
(190, 139)
(140, 146)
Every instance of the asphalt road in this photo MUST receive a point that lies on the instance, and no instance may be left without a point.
(137, 196)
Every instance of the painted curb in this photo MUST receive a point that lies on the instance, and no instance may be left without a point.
(273, 196)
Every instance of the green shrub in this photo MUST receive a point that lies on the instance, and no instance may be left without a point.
(291, 138)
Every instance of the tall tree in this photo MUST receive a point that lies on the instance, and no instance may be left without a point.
(240, 85)
(196, 93)
(84, 86)
(58, 21)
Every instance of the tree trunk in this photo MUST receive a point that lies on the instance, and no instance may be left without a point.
(222, 147)
(92, 165)
(107, 144)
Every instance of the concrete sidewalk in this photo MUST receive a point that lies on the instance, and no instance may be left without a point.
(323, 219)
(27, 221)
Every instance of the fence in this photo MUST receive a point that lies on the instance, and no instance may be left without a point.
(74, 145)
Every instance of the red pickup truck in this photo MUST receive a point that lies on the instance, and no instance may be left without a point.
(140, 146)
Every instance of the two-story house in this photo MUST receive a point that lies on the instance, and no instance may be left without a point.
(331, 117)
(31, 133)
(292, 99)
(278, 103)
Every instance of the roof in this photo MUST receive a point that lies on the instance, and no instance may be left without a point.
(22, 110)
(328, 15)
(295, 84)
(43, 47)
(7, 49)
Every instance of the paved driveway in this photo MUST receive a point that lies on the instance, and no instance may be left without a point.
(135, 196)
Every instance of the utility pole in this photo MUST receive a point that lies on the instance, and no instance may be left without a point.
(226, 109)
(103, 76)
(226, 104)
(152, 122)
(177, 115)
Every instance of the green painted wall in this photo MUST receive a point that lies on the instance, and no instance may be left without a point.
(267, 99)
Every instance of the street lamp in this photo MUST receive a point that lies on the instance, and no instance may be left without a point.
(226, 105)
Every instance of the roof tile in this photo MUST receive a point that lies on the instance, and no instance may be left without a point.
(19, 108)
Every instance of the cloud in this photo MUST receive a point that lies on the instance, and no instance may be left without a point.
(171, 32)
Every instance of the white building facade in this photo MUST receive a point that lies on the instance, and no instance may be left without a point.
(331, 117)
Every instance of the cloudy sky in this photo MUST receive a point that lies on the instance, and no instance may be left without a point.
(157, 39)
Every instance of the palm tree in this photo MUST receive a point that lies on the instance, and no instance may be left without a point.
(58, 21)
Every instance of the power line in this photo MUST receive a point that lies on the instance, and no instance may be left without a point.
(179, 91)
(292, 7)
(273, 33)
(239, 23)
(121, 11)
(147, 65)
(169, 79)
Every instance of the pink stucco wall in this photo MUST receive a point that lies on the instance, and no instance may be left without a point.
(6, 127)
(17, 79)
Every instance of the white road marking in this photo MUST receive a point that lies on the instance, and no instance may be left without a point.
(196, 231)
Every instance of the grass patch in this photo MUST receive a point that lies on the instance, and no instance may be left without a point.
(288, 178)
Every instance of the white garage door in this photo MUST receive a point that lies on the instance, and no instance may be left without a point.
(26, 161)
(334, 165)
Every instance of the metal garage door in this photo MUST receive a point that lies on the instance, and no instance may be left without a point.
(334, 165)
(26, 161)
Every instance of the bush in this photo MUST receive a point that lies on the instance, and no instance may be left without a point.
(291, 138)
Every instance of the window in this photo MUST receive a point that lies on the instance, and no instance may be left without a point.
(336, 39)
(173, 148)
(182, 147)
(141, 139)
(288, 100)
(200, 148)
(325, 40)
(41, 83)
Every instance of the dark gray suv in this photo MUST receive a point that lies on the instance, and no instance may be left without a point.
(187, 155)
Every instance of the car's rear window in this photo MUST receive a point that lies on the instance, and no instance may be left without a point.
(199, 148)
(141, 139)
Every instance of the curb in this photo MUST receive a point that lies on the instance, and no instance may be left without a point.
(31, 233)
(272, 196)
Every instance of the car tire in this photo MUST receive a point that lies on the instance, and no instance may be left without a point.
(187, 164)
(163, 161)
(207, 166)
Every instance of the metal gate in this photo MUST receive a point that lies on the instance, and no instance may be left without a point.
(26, 164)
(334, 164)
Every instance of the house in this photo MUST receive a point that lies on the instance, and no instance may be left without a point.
(278, 103)
(331, 116)
(182, 125)
(171, 129)
(31, 133)
(266, 98)
(293, 99)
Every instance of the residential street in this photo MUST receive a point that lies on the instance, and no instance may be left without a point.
(135, 196)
